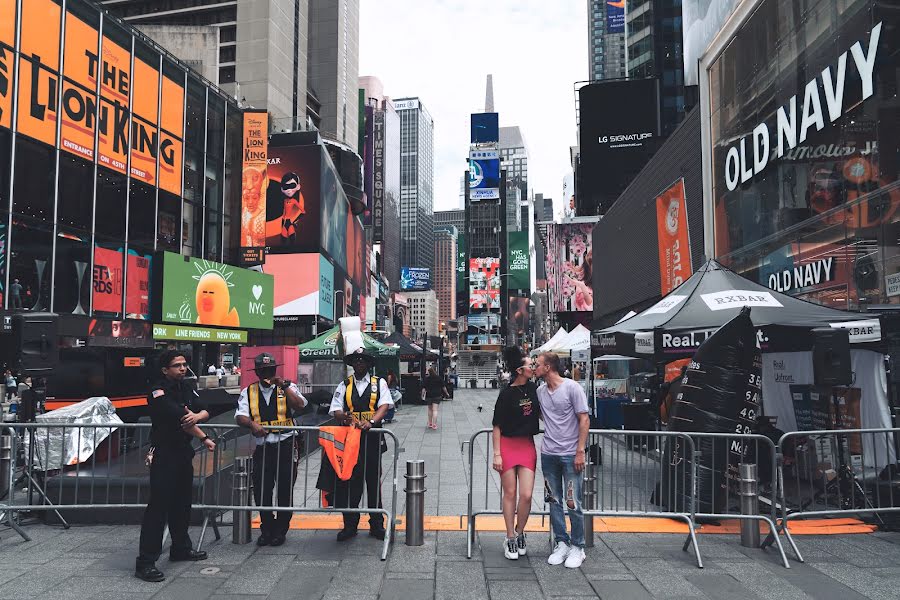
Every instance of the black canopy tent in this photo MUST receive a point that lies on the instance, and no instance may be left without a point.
(674, 327)
(408, 350)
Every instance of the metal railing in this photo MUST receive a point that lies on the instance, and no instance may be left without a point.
(57, 468)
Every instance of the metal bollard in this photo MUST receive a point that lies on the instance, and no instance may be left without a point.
(590, 500)
(5, 464)
(749, 505)
(415, 502)
(240, 529)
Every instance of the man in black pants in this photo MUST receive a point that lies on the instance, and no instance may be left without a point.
(271, 402)
(175, 410)
(362, 400)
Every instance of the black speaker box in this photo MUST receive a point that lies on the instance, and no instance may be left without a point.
(36, 338)
(831, 356)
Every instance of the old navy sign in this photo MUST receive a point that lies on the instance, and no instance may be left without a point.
(752, 153)
(803, 276)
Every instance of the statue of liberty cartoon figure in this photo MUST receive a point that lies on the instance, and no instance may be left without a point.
(212, 298)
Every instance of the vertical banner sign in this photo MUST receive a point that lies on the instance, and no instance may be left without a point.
(79, 102)
(675, 263)
(144, 132)
(368, 163)
(171, 122)
(519, 261)
(115, 84)
(38, 67)
(378, 176)
(253, 179)
(615, 16)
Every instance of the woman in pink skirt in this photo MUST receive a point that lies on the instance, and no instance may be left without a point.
(516, 423)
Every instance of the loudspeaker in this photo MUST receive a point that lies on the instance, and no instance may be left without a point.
(831, 357)
(36, 341)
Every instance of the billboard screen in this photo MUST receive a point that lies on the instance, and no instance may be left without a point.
(674, 241)
(254, 179)
(484, 283)
(415, 279)
(519, 261)
(310, 294)
(518, 322)
(484, 174)
(618, 134)
(568, 262)
(485, 128)
(210, 293)
(292, 192)
(334, 215)
(615, 16)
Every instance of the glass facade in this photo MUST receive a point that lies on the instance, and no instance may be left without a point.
(804, 120)
(108, 148)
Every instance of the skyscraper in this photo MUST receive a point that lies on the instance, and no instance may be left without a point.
(514, 159)
(443, 275)
(606, 50)
(416, 183)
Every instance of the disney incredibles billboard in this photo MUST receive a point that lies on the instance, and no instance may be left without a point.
(203, 292)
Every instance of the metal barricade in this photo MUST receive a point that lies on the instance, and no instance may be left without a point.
(830, 473)
(94, 468)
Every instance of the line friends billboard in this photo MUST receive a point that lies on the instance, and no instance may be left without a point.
(125, 117)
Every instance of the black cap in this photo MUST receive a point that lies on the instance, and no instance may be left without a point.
(360, 353)
(264, 360)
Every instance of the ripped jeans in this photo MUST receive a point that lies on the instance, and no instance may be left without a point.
(559, 472)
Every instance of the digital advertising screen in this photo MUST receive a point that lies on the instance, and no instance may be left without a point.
(485, 128)
(484, 174)
(484, 283)
(415, 279)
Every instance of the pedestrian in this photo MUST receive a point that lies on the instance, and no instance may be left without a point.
(515, 424)
(448, 382)
(10, 382)
(211, 370)
(175, 411)
(220, 373)
(433, 390)
(271, 402)
(362, 400)
(564, 409)
(393, 385)
(15, 293)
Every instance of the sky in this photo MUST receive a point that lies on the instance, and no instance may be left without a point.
(442, 51)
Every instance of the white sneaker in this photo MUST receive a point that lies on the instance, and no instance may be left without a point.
(520, 544)
(575, 557)
(559, 554)
(510, 549)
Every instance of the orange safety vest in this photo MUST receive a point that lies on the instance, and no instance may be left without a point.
(341, 446)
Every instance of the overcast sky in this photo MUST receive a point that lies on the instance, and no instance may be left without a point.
(441, 51)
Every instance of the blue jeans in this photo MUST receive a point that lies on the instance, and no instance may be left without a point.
(559, 472)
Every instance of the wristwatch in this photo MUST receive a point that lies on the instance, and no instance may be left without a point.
(285, 385)
(372, 421)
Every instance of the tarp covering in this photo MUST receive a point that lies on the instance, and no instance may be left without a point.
(58, 447)
(552, 342)
(577, 339)
(325, 347)
(675, 326)
(407, 349)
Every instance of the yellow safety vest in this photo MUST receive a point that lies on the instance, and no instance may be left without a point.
(281, 408)
(373, 398)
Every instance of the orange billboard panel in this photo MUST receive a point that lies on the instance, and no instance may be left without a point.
(172, 118)
(254, 179)
(143, 150)
(38, 90)
(80, 52)
(171, 163)
(8, 23)
(78, 121)
(40, 31)
(115, 74)
(113, 136)
(145, 101)
(7, 67)
(673, 238)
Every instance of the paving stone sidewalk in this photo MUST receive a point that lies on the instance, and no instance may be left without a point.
(97, 561)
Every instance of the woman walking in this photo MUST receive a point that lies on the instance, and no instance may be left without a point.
(516, 423)
(433, 390)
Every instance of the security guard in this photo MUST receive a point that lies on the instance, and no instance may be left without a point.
(362, 400)
(175, 410)
(271, 402)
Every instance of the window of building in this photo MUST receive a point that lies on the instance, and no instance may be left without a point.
(30, 262)
(111, 204)
(192, 229)
(72, 287)
(141, 214)
(227, 75)
(168, 235)
(76, 192)
(33, 187)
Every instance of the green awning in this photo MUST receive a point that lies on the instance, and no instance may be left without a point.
(325, 347)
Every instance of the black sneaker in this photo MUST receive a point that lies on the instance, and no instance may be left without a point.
(277, 540)
(190, 555)
(345, 534)
(264, 539)
(520, 544)
(377, 532)
(149, 573)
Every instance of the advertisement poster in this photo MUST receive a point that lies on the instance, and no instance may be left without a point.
(519, 261)
(291, 199)
(484, 283)
(674, 243)
(137, 287)
(615, 16)
(335, 215)
(569, 267)
(254, 179)
(210, 293)
(107, 280)
(485, 128)
(518, 317)
(125, 334)
(357, 269)
(415, 279)
(484, 174)
(308, 295)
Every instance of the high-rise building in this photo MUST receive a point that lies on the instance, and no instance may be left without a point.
(416, 183)
(443, 275)
(514, 158)
(455, 217)
(606, 51)
(655, 50)
(423, 312)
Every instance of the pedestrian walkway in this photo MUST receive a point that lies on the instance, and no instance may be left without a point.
(97, 561)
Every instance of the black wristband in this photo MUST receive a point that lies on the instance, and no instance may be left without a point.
(204, 438)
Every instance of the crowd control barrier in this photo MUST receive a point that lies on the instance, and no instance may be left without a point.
(833, 473)
(57, 468)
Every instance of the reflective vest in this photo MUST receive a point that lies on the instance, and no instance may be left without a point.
(351, 395)
(279, 415)
(341, 446)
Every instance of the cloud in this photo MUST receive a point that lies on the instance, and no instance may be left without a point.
(442, 52)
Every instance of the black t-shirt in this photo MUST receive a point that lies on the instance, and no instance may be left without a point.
(434, 386)
(167, 400)
(517, 411)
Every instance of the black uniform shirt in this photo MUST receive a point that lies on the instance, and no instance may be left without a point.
(517, 411)
(167, 400)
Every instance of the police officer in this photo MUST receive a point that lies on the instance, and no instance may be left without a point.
(271, 402)
(362, 400)
(175, 410)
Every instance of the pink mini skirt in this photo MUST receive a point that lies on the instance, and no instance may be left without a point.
(518, 452)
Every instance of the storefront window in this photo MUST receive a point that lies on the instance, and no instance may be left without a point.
(30, 262)
(33, 187)
(73, 278)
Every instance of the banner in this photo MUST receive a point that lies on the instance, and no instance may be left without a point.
(210, 293)
(378, 176)
(484, 283)
(184, 333)
(569, 263)
(615, 16)
(107, 280)
(675, 264)
(484, 174)
(415, 279)
(519, 261)
(254, 180)
(368, 148)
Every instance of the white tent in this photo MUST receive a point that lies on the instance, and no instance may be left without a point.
(577, 339)
(553, 342)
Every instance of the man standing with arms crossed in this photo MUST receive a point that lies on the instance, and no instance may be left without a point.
(566, 423)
